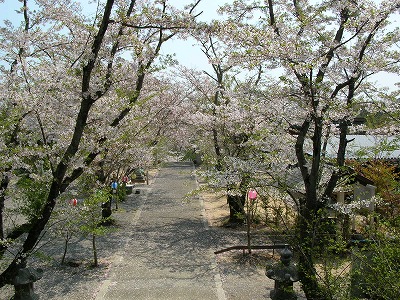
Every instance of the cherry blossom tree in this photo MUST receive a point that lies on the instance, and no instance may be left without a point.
(155, 125)
(327, 51)
(62, 95)
(224, 141)
(229, 114)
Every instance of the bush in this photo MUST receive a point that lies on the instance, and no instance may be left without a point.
(379, 270)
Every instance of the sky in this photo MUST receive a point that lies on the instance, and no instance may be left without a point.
(186, 52)
(190, 55)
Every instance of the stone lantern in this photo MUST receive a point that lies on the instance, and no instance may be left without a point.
(23, 283)
(284, 273)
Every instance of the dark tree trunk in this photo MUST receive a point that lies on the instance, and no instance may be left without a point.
(65, 249)
(59, 173)
(95, 261)
(236, 209)
(3, 187)
(307, 272)
(309, 207)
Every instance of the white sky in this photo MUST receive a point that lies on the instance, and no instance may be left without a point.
(187, 53)
(190, 55)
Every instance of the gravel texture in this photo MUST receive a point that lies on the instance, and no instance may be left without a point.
(160, 247)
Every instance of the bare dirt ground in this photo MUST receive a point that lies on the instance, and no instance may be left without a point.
(216, 208)
(237, 264)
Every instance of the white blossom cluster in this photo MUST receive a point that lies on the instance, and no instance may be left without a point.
(276, 95)
(355, 206)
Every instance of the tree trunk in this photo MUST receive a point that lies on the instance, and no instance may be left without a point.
(3, 187)
(307, 272)
(95, 262)
(236, 209)
(56, 188)
(65, 250)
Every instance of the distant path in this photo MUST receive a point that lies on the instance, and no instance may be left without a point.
(160, 249)
(168, 249)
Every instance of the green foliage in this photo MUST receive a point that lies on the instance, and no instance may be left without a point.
(121, 191)
(334, 272)
(43, 256)
(91, 213)
(166, 61)
(386, 180)
(86, 184)
(189, 155)
(92, 218)
(379, 119)
(32, 195)
(240, 217)
(381, 147)
(379, 269)
(124, 93)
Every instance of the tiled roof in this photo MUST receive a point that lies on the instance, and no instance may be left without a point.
(367, 146)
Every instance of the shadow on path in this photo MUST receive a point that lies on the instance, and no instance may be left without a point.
(161, 248)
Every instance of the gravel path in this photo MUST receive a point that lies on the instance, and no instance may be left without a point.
(162, 248)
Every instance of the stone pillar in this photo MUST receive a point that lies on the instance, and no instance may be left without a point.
(285, 274)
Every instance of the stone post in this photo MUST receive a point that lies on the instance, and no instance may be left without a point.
(285, 274)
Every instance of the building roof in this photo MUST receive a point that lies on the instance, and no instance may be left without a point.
(368, 146)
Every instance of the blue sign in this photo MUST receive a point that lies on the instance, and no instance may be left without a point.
(114, 185)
